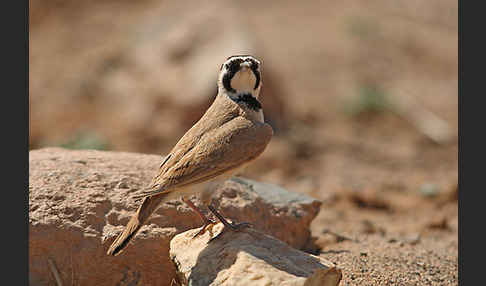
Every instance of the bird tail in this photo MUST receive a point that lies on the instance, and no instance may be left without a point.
(148, 206)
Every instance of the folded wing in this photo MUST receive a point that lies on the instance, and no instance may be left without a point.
(218, 151)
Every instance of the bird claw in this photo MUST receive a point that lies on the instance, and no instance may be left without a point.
(228, 225)
(207, 226)
(239, 226)
(232, 227)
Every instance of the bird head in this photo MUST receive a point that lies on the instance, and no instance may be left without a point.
(240, 74)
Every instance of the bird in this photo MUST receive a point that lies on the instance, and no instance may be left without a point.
(229, 135)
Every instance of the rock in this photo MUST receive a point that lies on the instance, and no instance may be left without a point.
(272, 209)
(247, 257)
(370, 199)
(80, 200)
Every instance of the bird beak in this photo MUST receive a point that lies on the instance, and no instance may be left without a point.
(244, 66)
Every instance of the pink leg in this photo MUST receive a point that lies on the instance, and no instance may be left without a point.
(206, 221)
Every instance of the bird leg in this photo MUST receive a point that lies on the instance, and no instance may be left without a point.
(227, 225)
(206, 221)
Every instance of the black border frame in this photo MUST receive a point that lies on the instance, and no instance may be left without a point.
(15, 139)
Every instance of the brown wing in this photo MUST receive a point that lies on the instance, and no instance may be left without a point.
(219, 113)
(218, 151)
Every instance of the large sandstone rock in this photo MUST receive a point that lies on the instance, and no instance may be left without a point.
(80, 200)
(247, 257)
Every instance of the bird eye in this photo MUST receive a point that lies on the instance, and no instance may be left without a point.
(254, 64)
(233, 65)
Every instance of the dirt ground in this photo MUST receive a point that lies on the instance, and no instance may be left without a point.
(389, 191)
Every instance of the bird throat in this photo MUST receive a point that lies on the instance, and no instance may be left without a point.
(249, 100)
(234, 80)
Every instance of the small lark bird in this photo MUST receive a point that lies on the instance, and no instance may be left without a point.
(228, 136)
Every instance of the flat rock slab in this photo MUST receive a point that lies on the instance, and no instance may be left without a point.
(247, 257)
(79, 201)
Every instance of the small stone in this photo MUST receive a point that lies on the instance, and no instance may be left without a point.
(245, 256)
(122, 184)
(429, 189)
(413, 239)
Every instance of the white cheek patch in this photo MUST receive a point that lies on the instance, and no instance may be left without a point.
(243, 81)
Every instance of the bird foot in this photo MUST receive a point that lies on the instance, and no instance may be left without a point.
(233, 226)
(207, 226)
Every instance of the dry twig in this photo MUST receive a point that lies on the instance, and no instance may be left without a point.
(54, 271)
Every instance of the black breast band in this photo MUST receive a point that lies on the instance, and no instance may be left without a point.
(249, 100)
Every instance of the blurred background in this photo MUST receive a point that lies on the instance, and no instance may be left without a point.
(362, 95)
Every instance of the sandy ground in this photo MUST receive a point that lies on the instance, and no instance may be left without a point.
(390, 193)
